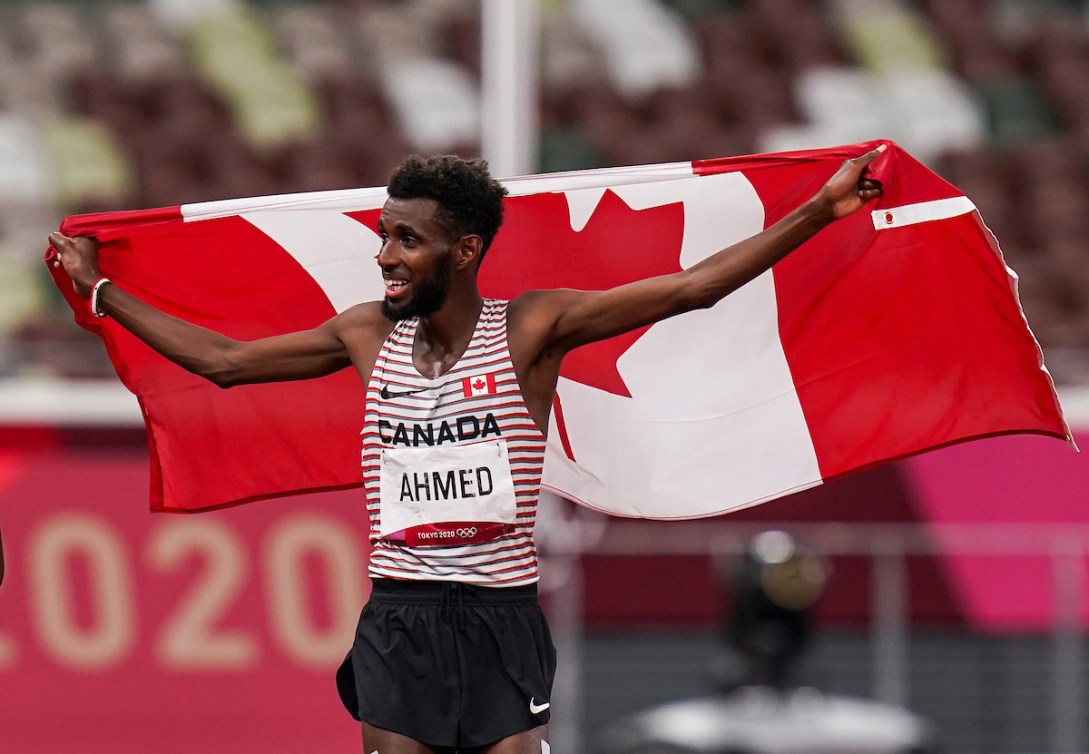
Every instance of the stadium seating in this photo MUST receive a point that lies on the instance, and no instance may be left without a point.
(161, 102)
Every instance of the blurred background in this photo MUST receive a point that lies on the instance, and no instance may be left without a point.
(955, 583)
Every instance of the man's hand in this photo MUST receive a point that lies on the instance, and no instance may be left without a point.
(850, 188)
(79, 258)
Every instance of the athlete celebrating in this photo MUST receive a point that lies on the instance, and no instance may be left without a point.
(452, 653)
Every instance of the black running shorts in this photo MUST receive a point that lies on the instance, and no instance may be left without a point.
(450, 664)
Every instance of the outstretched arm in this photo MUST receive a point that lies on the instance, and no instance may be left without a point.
(222, 360)
(567, 319)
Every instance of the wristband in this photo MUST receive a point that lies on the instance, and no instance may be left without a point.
(95, 289)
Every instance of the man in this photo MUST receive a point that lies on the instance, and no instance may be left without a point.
(452, 653)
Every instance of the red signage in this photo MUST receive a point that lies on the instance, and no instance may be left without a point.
(220, 632)
(126, 631)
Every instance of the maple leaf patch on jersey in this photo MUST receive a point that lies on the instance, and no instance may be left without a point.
(478, 384)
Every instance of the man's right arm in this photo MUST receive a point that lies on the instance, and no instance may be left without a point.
(216, 357)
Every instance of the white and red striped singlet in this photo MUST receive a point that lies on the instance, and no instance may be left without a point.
(478, 401)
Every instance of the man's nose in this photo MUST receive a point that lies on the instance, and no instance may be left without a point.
(384, 257)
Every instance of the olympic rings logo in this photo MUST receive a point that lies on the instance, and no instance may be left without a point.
(466, 532)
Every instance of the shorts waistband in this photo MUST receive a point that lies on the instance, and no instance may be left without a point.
(450, 593)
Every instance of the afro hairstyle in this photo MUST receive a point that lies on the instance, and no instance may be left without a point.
(470, 200)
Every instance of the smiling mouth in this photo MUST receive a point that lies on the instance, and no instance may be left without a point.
(394, 287)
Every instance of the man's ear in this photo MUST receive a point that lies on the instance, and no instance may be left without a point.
(469, 250)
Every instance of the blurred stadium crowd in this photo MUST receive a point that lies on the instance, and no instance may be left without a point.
(117, 104)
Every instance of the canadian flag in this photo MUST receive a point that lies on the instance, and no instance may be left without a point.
(481, 384)
(892, 331)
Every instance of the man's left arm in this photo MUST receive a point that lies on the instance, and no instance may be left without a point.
(575, 318)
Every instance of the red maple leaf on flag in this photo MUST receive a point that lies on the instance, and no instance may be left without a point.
(537, 248)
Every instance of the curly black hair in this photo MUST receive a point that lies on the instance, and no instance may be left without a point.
(470, 200)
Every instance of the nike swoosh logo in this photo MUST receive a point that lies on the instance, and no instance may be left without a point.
(536, 709)
(386, 393)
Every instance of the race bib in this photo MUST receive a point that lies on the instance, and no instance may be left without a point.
(446, 495)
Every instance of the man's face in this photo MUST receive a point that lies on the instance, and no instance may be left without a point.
(416, 259)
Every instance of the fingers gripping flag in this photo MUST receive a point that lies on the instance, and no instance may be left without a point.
(891, 332)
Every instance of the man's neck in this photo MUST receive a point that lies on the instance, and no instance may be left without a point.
(442, 337)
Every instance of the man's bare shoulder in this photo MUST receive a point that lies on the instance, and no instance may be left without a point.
(539, 300)
(364, 320)
(539, 309)
(532, 319)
